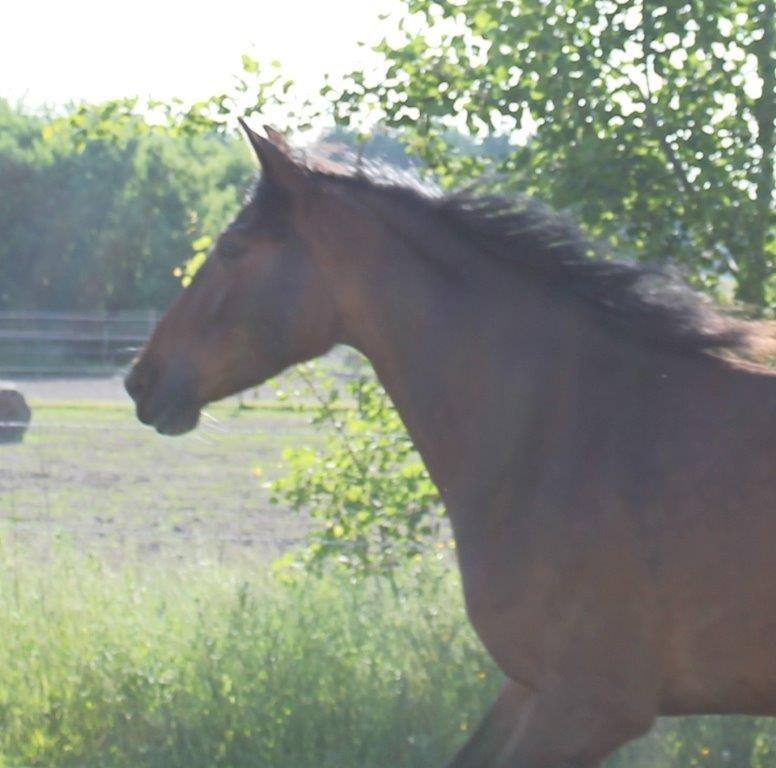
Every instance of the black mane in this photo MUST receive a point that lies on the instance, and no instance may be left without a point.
(647, 300)
(650, 302)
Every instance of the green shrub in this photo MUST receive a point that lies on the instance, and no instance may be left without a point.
(367, 488)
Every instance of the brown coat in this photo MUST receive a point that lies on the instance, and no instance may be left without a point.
(607, 460)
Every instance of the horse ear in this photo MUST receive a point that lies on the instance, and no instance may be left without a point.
(276, 137)
(275, 157)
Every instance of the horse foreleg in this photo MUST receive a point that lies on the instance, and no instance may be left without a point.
(564, 726)
(491, 738)
(553, 728)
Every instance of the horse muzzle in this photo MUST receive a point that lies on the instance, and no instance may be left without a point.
(163, 400)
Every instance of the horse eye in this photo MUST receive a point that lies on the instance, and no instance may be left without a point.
(229, 249)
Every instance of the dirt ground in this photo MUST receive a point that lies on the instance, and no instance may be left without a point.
(88, 475)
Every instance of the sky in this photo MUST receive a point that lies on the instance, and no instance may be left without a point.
(56, 51)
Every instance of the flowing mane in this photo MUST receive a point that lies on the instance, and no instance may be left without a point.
(647, 301)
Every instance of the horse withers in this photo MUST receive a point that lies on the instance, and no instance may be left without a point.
(604, 446)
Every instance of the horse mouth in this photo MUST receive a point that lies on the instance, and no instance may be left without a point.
(176, 420)
(174, 417)
(171, 405)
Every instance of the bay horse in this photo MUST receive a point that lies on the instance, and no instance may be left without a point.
(602, 438)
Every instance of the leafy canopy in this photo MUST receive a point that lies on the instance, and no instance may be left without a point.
(653, 122)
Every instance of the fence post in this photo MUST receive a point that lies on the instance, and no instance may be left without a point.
(152, 320)
(105, 339)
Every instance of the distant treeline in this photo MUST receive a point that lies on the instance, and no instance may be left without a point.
(100, 222)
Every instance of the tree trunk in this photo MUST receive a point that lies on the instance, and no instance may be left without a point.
(759, 270)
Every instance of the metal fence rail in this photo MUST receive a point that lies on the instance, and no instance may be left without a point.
(51, 343)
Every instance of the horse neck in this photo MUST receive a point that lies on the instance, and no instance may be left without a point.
(464, 357)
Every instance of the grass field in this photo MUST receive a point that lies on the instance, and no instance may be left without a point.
(205, 665)
(139, 627)
(209, 666)
(95, 476)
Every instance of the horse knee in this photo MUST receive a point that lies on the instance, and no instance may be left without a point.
(488, 742)
(564, 729)
(564, 726)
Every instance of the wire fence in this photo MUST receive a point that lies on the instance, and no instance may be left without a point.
(60, 343)
(45, 345)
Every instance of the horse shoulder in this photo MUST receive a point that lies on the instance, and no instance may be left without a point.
(543, 579)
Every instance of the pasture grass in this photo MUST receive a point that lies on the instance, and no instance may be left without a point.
(183, 652)
(207, 666)
(91, 473)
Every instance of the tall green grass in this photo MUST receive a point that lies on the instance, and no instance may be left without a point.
(205, 667)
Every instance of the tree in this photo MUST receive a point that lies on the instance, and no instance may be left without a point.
(652, 121)
(98, 207)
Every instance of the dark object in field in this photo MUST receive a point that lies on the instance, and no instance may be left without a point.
(606, 455)
(15, 416)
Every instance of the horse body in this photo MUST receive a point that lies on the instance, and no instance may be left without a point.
(619, 583)
(717, 576)
(565, 442)
(612, 497)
